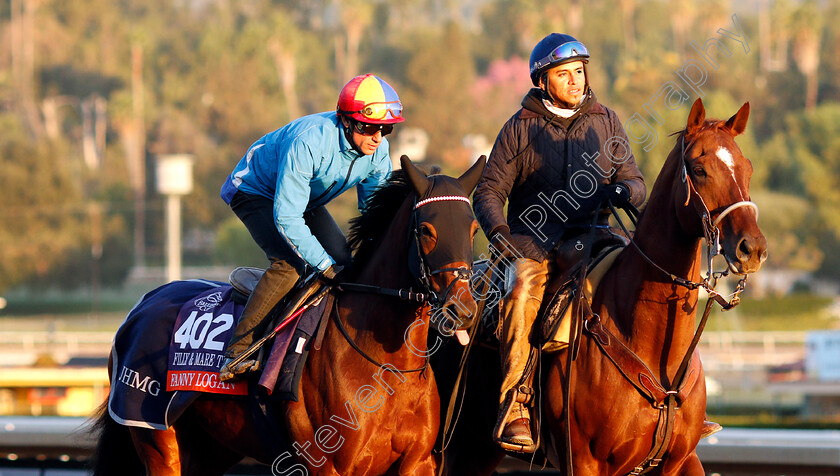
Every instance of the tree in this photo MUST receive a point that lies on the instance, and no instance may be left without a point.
(437, 94)
(42, 204)
(355, 17)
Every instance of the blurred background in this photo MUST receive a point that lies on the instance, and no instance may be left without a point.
(95, 94)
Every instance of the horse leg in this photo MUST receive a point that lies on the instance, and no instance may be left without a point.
(115, 453)
(424, 467)
(690, 466)
(230, 425)
(201, 453)
(158, 449)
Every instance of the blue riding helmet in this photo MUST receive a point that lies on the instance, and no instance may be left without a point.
(555, 49)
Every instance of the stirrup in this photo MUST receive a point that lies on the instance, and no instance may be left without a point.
(516, 445)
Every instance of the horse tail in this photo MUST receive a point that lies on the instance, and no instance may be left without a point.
(114, 453)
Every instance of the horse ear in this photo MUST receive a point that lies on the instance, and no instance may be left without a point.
(470, 178)
(415, 176)
(738, 122)
(696, 117)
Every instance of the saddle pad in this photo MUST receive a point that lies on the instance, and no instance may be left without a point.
(283, 369)
(139, 357)
(560, 339)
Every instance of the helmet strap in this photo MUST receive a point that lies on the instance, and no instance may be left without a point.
(348, 133)
(546, 94)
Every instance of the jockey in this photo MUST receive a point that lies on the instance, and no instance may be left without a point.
(281, 185)
(554, 161)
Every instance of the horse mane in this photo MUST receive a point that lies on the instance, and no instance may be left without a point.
(367, 229)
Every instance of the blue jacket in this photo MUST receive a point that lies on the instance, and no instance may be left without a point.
(301, 166)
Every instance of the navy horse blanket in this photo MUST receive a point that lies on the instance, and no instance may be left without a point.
(144, 391)
(171, 346)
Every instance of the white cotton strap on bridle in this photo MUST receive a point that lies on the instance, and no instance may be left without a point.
(444, 198)
(735, 206)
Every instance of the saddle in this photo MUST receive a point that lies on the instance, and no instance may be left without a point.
(244, 279)
(283, 363)
(555, 314)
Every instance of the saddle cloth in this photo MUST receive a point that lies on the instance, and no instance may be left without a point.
(140, 356)
(171, 346)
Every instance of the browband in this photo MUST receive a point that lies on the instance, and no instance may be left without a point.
(443, 198)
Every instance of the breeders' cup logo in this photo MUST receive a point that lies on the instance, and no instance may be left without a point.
(209, 302)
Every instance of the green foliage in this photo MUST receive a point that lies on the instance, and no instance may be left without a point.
(40, 208)
(804, 160)
(788, 222)
(437, 79)
(787, 313)
(213, 82)
(234, 245)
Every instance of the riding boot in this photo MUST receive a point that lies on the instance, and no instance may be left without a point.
(519, 312)
(277, 281)
(709, 429)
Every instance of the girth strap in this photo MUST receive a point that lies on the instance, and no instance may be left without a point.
(636, 371)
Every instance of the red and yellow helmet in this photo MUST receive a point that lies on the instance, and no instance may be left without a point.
(368, 98)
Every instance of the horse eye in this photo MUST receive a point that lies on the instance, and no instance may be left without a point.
(425, 231)
(699, 172)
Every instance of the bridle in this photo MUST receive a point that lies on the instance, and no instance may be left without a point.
(711, 233)
(420, 269)
(424, 273)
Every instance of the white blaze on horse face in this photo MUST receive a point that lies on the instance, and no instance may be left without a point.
(726, 157)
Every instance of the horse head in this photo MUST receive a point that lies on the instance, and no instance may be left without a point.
(442, 232)
(716, 182)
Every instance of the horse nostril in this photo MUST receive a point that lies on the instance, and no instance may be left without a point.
(745, 249)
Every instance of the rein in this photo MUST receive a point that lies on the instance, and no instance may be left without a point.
(343, 330)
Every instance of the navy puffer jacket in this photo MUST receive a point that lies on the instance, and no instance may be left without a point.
(552, 170)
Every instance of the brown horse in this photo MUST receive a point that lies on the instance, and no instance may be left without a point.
(642, 305)
(368, 402)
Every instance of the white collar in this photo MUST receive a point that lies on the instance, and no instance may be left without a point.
(559, 111)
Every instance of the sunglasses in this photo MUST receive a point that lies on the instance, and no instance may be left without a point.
(571, 49)
(378, 111)
(371, 129)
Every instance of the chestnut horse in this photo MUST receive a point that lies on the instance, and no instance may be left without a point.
(646, 303)
(368, 400)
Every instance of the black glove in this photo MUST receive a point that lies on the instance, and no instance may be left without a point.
(502, 241)
(333, 273)
(618, 194)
